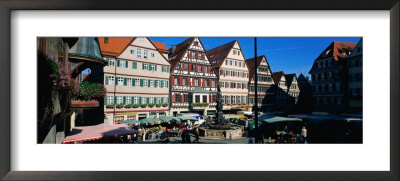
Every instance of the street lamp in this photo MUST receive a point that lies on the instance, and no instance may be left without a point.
(255, 92)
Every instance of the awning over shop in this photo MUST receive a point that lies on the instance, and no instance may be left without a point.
(231, 117)
(96, 132)
(168, 118)
(280, 119)
(129, 122)
(184, 118)
(149, 120)
(345, 117)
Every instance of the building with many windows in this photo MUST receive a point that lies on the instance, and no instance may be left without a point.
(265, 83)
(329, 78)
(230, 65)
(281, 90)
(355, 70)
(193, 80)
(136, 77)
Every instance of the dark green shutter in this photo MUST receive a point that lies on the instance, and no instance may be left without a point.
(106, 80)
(105, 100)
(141, 82)
(149, 66)
(142, 66)
(155, 83)
(140, 99)
(148, 83)
(155, 67)
(155, 100)
(134, 65)
(132, 99)
(117, 63)
(116, 80)
(162, 68)
(162, 100)
(168, 100)
(162, 83)
(124, 99)
(124, 81)
(126, 64)
(167, 84)
(147, 100)
(115, 100)
(133, 82)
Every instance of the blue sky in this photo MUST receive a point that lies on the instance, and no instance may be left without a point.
(289, 54)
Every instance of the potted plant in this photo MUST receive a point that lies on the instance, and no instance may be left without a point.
(110, 106)
(158, 105)
(151, 105)
(143, 105)
(135, 105)
(165, 105)
(119, 106)
(128, 106)
(86, 94)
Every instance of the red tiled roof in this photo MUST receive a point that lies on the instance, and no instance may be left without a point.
(277, 77)
(179, 52)
(220, 53)
(161, 47)
(250, 65)
(335, 50)
(114, 46)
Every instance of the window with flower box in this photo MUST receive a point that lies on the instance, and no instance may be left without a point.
(110, 99)
(120, 100)
(128, 100)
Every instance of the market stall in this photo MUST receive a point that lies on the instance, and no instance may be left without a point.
(97, 132)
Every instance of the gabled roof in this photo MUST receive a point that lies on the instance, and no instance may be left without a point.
(179, 52)
(114, 45)
(289, 79)
(303, 81)
(250, 65)
(220, 53)
(277, 77)
(335, 50)
(161, 47)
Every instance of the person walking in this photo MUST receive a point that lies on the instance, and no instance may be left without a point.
(188, 136)
(304, 134)
(183, 135)
(197, 135)
(230, 136)
(144, 135)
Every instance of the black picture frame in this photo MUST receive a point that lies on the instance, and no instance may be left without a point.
(7, 6)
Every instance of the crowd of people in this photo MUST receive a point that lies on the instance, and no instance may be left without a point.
(154, 132)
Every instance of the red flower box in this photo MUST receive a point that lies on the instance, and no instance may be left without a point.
(84, 104)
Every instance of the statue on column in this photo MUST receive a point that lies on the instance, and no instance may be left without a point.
(220, 116)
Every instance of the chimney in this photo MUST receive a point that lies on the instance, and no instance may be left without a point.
(173, 48)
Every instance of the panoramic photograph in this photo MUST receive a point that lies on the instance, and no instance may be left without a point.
(199, 90)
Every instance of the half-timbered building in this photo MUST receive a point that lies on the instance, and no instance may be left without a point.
(193, 80)
(230, 65)
(136, 77)
(265, 83)
(293, 91)
(281, 89)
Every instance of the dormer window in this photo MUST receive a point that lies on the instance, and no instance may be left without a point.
(106, 40)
